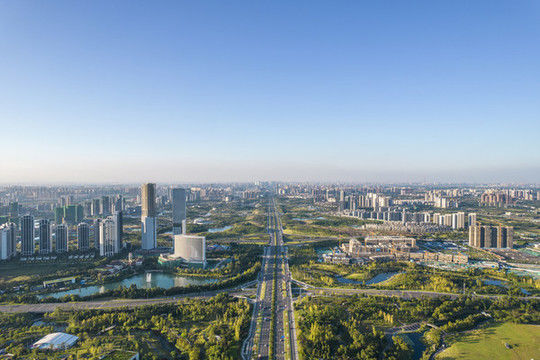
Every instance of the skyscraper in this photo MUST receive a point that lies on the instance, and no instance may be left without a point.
(83, 236)
(119, 223)
(44, 232)
(148, 216)
(61, 237)
(179, 211)
(27, 235)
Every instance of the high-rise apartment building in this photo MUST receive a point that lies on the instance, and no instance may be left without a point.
(148, 216)
(44, 232)
(96, 207)
(458, 220)
(119, 223)
(483, 236)
(179, 211)
(83, 236)
(96, 233)
(61, 237)
(105, 205)
(472, 219)
(8, 235)
(27, 235)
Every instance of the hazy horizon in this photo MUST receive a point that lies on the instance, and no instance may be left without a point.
(201, 92)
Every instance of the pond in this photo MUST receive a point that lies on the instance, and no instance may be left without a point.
(502, 283)
(342, 280)
(147, 280)
(381, 277)
(414, 340)
(224, 228)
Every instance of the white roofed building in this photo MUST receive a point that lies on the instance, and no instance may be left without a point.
(55, 341)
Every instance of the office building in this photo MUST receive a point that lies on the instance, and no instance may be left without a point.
(483, 236)
(61, 237)
(179, 211)
(148, 216)
(27, 235)
(44, 232)
(190, 248)
(8, 236)
(108, 242)
(83, 236)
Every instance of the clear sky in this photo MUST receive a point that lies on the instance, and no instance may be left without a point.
(185, 91)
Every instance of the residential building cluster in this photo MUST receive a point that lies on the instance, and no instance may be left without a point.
(486, 236)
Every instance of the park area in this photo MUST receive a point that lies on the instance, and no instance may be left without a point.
(502, 341)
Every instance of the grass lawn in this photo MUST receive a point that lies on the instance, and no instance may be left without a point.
(489, 343)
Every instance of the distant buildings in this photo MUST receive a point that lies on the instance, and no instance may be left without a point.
(27, 235)
(8, 235)
(61, 237)
(484, 236)
(379, 245)
(83, 236)
(71, 214)
(148, 216)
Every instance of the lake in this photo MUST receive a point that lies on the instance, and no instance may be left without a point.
(147, 280)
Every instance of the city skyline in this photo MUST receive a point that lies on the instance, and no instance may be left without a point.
(224, 92)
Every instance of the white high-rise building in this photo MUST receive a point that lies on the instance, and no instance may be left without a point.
(179, 211)
(460, 220)
(8, 235)
(108, 242)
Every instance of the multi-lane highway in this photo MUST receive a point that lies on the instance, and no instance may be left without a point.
(272, 333)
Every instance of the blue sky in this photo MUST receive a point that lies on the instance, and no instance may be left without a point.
(128, 91)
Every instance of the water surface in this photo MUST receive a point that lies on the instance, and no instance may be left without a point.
(147, 280)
